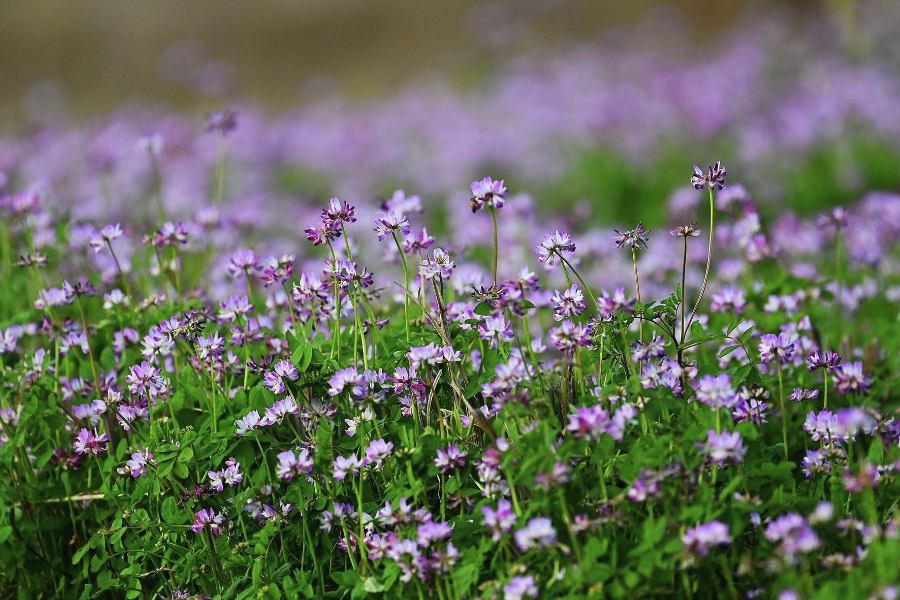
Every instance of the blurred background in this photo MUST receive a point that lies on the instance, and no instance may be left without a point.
(596, 108)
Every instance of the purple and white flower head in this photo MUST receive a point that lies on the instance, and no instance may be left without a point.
(724, 447)
(291, 465)
(716, 392)
(520, 587)
(553, 246)
(569, 304)
(689, 230)
(635, 239)
(337, 213)
(698, 540)
(487, 192)
(608, 305)
(105, 236)
(715, 178)
(537, 533)
(390, 223)
(241, 263)
(776, 348)
(208, 518)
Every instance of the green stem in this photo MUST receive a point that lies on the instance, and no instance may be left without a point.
(406, 278)
(784, 415)
(496, 242)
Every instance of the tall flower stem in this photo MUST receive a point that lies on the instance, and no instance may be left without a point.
(712, 212)
(406, 279)
(839, 297)
(157, 188)
(568, 266)
(637, 285)
(496, 242)
(219, 192)
(119, 268)
(784, 415)
(336, 336)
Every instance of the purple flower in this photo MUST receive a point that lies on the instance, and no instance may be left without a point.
(538, 533)
(588, 422)
(776, 348)
(208, 518)
(716, 392)
(829, 360)
(242, 262)
(408, 205)
(520, 587)
(274, 380)
(234, 307)
(378, 451)
(230, 475)
(849, 377)
(343, 378)
(439, 265)
(223, 122)
(389, 223)
(815, 463)
(322, 234)
(137, 465)
(450, 460)
(720, 448)
(794, 535)
(568, 304)
(278, 411)
(635, 239)
(291, 465)
(799, 395)
(273, 270)
(715, 178)
(698, 540)
(417, 242)
(689, 230)
(608, 305)
(836, 219)
(499, 521)
(145, 379)
(495, 330)
(337, 213)
(347, 465)
(105, 236)
(90, 442)
(728, 300)
(487, 192)
(569, 336)
(553, 245)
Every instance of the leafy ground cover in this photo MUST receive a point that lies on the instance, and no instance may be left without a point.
(698, 411)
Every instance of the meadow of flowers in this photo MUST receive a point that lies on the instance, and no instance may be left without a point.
(210, 388)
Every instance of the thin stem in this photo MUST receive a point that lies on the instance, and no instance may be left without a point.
(712, 211)
(496, 242)
(783, 412)
(637, 285)
(406, 278)
(119, 268)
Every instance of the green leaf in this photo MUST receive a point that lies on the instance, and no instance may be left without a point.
(171, 513)
(484, 309)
